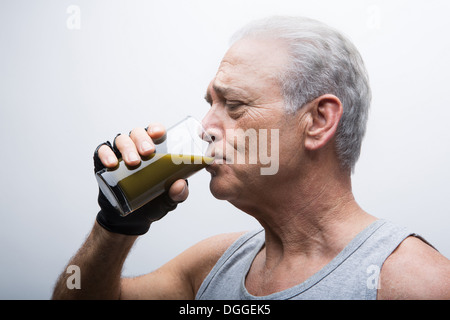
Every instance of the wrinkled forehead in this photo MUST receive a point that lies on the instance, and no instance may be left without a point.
(253, 62)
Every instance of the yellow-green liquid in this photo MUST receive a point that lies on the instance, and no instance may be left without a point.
(134, 187)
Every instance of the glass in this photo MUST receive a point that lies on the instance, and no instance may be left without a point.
(181, 152)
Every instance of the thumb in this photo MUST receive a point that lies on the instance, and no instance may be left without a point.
(179, 191)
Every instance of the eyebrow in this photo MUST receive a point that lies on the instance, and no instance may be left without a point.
(222, 91)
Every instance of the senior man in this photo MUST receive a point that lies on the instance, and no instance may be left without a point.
(307, 81)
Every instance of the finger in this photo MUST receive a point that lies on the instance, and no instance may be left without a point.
(179, 191)
(142, 141)
(107, 156)
(128, 150)
(156, 130)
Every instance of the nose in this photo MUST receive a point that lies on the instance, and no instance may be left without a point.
(212, 123)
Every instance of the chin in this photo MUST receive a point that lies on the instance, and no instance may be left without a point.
(223, 184)
(219, 189)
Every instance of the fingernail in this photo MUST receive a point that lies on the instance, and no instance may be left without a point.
(155, 128)
(132, 156)
(111, 160)
(146, 146)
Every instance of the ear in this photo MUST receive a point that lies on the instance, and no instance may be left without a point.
(325, 114)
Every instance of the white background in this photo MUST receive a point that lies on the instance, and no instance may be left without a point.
(63, 91)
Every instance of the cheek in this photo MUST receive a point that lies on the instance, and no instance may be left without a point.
(291, 155)
(229, 181)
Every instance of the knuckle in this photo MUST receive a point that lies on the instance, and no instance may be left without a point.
(124, 142)
(137, 133)
(119, 138)
(104, 150)
(134, 132)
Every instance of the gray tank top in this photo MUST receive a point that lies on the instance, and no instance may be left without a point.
(352, 274)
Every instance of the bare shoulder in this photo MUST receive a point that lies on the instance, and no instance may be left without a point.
(204, 255)
(415, 270)
(181, 277)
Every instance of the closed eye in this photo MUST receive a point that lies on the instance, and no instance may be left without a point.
(233, 104)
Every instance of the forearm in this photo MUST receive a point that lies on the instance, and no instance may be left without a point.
(100, 261)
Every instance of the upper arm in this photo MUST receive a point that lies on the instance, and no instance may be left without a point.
(415, 271)
(181, 277)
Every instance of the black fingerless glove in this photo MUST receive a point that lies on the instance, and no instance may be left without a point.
(137, 222)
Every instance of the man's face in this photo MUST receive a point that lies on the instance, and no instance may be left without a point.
(245, 97)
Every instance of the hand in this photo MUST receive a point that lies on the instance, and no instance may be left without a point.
(139, 142)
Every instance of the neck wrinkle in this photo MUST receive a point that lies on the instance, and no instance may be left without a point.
(318, 223)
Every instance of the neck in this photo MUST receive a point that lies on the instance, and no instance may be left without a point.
(319, 217)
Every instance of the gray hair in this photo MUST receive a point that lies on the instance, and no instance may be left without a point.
(323, 61)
